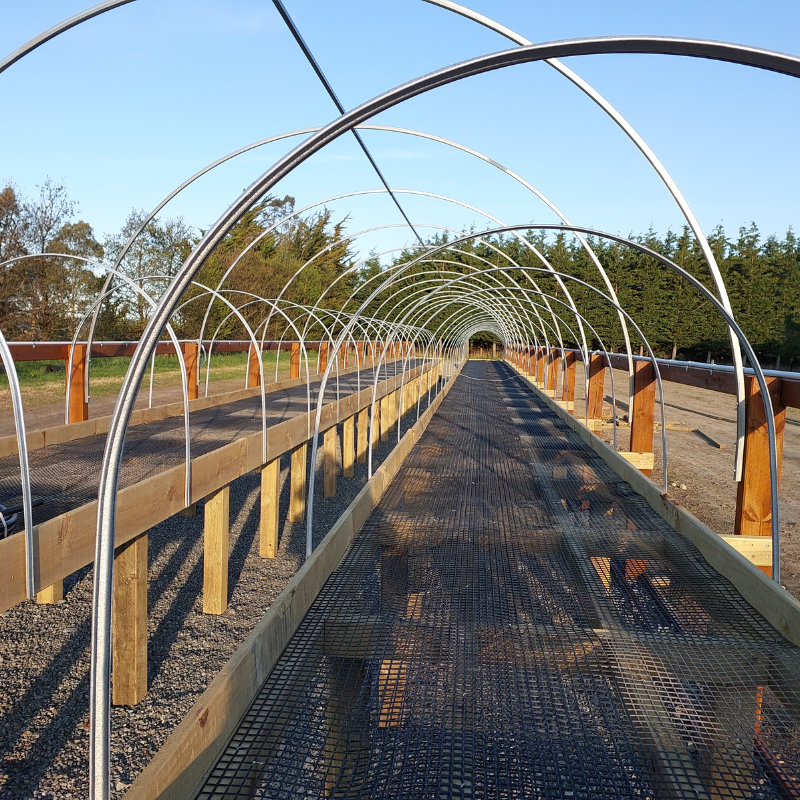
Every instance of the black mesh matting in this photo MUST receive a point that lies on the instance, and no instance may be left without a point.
(513, 621)
(66, 476)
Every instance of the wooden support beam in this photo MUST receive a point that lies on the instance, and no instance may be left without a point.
(129, 623)
(78, 407)
(597, 379)
(644, 399)
(363, 436)
(323, 357)
(758, 549)
(386, 418)
(270, 503)
(329, 441)
(343, 356)
(540, 367)
(753, 510)
(375, 431)
(642, 461)
(215, 552)
(294, 360)
(348, 447)
(253, 372)
(569, 385)
(51, 594)
(190, 351)
(552, 375)
(297, 488)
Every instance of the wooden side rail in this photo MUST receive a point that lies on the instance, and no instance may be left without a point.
(66, 543)
(67, 433)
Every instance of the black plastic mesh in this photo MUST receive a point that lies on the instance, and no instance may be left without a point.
(514, 622)
(66, 476)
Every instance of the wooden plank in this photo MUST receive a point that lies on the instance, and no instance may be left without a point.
(641, 421)
(597, 377)
(129, 623)
(757, 549)
(569, 385)
(753, 508)
(383, 421)
(348, 447)
(297, 487)
(215, 552)
(253, 372)
(190, 357)
(323, 357)
(176, 771)
(78, 407)
(363, 436)
(329, 441)
(270, 504)
(642, 461)
(66, 543)
(294, 360)
(51, 595)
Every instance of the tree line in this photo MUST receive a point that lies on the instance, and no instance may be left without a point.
(45, 297)
(762, 276)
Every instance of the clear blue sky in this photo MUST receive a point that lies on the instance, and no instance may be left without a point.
(127, 106)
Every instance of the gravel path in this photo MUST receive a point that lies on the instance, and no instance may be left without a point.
(44, 650)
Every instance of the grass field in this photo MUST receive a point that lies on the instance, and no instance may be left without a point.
(41, 387)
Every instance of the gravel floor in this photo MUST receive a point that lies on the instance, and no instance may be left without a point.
(44, 650)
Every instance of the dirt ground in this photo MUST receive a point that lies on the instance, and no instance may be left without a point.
(700, 475)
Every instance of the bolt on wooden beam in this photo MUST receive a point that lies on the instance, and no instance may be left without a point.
(270, 503)
(215, 552)
(129, 623)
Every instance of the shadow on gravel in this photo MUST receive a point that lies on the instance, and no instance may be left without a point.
(25, 773)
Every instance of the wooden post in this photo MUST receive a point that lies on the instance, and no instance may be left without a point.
(348, 446)
(540, 367)
(363, 436)
(360, 350)
(329, 439)
(343, 356)
(375, 434)
(294, 360)
(644, 399)
(215, 552)
(494, 350)
(569, 385)
(552, 371)
(253, 372)
(297, 488)
(129, 623)
(323, 357)
(78, 411)
(386, 418)
(753, 510)
(190, 359)
(270, 502)
(597, 379)
(78, 407)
